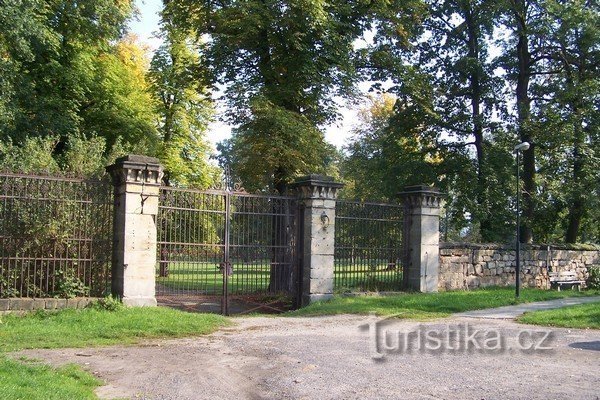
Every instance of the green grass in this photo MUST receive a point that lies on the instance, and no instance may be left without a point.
(83, 328)
(254, 276)
(33, 381)
(90, 327)
(248, 277)
(583, 316)
(423, 306)
(359, 276)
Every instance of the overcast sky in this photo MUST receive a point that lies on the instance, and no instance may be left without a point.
(148, 24)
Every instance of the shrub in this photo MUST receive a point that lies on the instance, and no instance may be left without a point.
(109, 303)
(593, 280)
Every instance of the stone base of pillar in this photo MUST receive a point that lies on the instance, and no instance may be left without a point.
(139, 301)
(311, 298)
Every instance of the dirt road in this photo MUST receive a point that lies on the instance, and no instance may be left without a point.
(332, 358)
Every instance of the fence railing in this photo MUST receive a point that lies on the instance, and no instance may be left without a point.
(55, 236)
(56, 239)
(368, 246)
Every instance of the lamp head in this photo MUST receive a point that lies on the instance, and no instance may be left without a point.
(522, 146)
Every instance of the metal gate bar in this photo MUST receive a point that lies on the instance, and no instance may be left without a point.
(225, 243)
(368, 246)
(55, 236)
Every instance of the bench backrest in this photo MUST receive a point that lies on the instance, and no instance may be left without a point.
(563, 276)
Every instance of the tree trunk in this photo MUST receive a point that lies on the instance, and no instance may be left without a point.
(523, 118)
(577, 206)
(485, 227)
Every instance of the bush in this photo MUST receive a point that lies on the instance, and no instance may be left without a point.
(108, 303)
(593, 280)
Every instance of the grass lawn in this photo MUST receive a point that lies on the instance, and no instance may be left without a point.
(83, 328)
(205, 277)
(423, 306)
(254, 276)
(582, 316)
(32, 381)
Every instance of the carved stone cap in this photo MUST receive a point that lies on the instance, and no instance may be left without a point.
(421, 196)
(136, 169)
(317, 187)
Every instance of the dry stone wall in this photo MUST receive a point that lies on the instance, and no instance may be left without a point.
(467, 266)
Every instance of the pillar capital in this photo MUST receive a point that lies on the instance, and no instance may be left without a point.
(136, 169)
(317, 187)
(421, 196)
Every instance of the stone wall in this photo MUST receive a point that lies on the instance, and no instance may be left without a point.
(16, 305)
(466, 266)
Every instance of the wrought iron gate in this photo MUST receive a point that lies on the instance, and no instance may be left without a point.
(226, 244)
(368, 246)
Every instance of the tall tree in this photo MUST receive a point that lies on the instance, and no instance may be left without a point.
(66, 70)
(571, 90)
(184, 108)
(282, 63)
(522, 57)
(454, 52)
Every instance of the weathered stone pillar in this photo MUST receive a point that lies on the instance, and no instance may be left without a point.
(421, 237)
(137, 183)
(317, 194)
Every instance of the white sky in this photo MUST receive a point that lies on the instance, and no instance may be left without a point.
(147, 24)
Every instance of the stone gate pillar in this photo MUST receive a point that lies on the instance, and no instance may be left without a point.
(421, 238)
(317, 194)
(137, 182)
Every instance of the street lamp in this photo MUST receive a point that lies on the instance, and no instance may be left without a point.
(518, 149)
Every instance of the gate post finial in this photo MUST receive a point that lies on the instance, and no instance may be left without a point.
(421, 237)
(317, 194)
(136, 182)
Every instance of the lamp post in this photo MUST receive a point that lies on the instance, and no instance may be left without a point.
(518, 149)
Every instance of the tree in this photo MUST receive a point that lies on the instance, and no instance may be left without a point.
(569, 93)
(184, 108)
(120, 106)
(454, 53)
(282, 64)
(522, 57)
(388, 152)
(68, 71)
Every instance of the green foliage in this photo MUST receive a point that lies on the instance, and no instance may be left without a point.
(44, 218)
(274, 146)
(108, 303)
(282, 65)
(184, 108)
(69, 285)
(593, 280)
(67, 71)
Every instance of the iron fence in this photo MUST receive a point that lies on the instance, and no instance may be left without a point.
(368, 246)
(55, 236)
(211, 239)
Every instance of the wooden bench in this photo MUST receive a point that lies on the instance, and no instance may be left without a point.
(565, 278)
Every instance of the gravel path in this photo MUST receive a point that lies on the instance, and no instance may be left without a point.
(331, 358)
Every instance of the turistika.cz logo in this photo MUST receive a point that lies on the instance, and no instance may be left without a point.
(386, 337)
